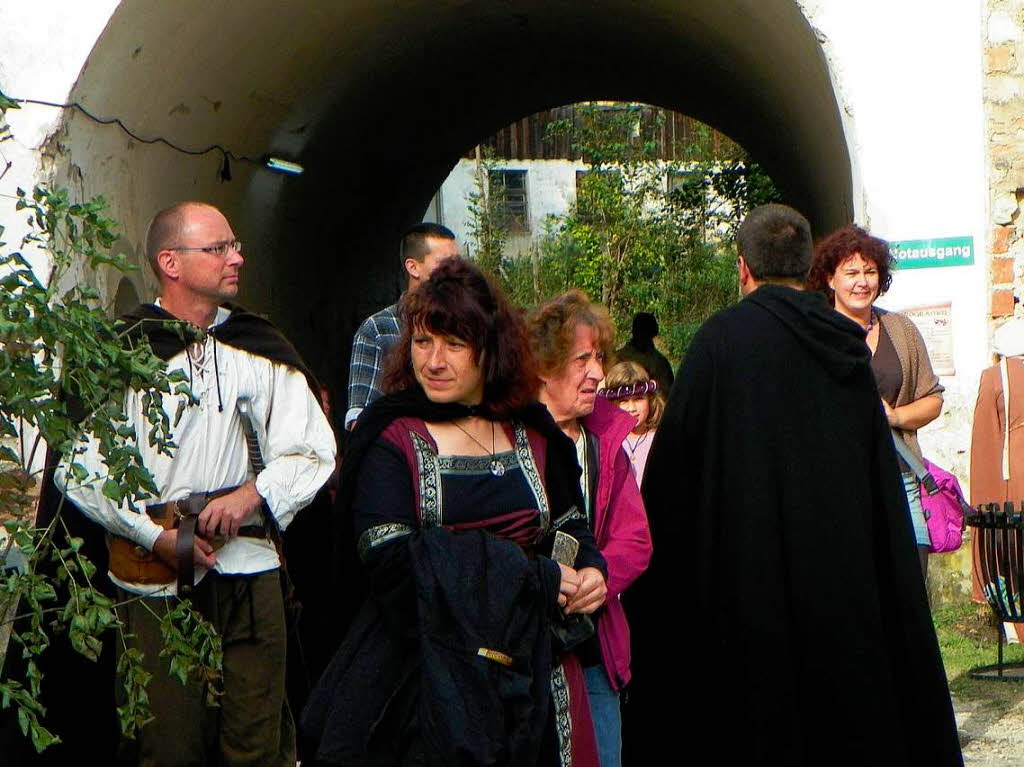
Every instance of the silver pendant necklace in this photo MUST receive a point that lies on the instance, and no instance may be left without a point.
(497, 467)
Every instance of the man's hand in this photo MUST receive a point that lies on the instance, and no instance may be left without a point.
(224, 515)
(569, 585)
(166, 548)
(591, 592)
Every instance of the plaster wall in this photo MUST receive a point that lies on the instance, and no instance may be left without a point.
(45, 72)
(42, 50)
(550, 190)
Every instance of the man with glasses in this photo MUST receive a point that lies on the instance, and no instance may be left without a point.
(247, 378)
(423, 247)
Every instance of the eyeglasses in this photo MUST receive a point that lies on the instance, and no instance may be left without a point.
(220, 249)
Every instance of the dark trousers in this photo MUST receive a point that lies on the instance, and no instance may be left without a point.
(252, 724)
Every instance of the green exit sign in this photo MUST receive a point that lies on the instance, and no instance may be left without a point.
(942, 251)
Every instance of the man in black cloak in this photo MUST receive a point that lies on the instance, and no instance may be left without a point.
(792, 626)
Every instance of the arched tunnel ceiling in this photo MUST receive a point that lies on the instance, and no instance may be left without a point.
(379, 100)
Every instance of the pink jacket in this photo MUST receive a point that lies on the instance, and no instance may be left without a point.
(621, 530)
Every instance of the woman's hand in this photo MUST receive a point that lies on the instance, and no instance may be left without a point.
(591, 592)
(569, 586)
(890, 414)
(913, 415)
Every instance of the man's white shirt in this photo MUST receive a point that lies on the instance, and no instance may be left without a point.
(295, 437)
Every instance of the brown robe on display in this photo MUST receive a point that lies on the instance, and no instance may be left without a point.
(987, 483)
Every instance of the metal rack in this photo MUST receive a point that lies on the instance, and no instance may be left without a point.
(1000, 560)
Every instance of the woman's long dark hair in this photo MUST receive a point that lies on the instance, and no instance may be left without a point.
(460, 300)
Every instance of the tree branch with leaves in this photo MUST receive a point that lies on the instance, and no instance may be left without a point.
(65, 368)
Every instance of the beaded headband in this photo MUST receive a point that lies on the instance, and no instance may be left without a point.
(639, 389)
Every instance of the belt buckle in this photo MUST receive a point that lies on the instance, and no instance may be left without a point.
(180, 509)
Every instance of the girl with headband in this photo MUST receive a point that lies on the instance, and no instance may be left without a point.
(630, 387)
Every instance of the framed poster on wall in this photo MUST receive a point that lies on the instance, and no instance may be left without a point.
(936, 325)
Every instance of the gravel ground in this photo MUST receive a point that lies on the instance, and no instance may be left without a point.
(990, 735)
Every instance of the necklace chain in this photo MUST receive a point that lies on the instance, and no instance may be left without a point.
(497, 467)
(481, 444)
(871, 322)
(633, 448)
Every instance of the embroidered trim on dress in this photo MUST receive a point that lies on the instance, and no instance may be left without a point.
(378, 535)
(430, 482)
(532, 477)
(563, 720)
(571, 514)
(476, 464)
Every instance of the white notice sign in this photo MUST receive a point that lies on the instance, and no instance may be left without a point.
(936, 325)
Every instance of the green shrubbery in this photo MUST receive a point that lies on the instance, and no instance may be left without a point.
(632, 240)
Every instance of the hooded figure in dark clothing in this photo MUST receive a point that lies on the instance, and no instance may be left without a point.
(792, 620)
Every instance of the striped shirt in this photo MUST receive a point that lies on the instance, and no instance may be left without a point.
(372, 341)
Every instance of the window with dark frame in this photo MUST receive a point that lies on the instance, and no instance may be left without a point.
(508, 189)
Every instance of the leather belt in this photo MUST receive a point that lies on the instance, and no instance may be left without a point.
(187, 511)
(183, 506)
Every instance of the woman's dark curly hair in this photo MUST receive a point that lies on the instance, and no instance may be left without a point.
(833, 250)
(460, 300)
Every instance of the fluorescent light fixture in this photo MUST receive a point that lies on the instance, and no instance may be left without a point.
(283, 166)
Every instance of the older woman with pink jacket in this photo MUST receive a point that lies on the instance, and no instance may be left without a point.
(570, 337)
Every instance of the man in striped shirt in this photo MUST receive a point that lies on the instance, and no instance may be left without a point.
(423, 247)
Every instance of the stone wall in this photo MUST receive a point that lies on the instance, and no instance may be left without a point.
(1003, 95)
(1004, 113)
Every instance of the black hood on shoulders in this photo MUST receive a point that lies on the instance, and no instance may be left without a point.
(243, 330)
(835, 341)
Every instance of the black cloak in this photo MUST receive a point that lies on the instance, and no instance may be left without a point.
(93, 728)
(791, 624)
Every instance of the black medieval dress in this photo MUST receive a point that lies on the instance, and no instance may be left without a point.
(449, 660)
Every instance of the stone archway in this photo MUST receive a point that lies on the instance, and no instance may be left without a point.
(379, 105)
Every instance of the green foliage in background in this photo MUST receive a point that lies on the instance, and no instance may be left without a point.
(644, 234)
(488, 224)
(65, 368)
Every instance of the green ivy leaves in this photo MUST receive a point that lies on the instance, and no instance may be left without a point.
(66, 370)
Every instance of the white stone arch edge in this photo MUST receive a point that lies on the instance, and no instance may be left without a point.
(846, 114)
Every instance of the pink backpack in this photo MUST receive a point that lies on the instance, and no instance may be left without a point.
(944, 509)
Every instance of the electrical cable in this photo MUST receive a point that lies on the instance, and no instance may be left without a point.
(225, 152)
